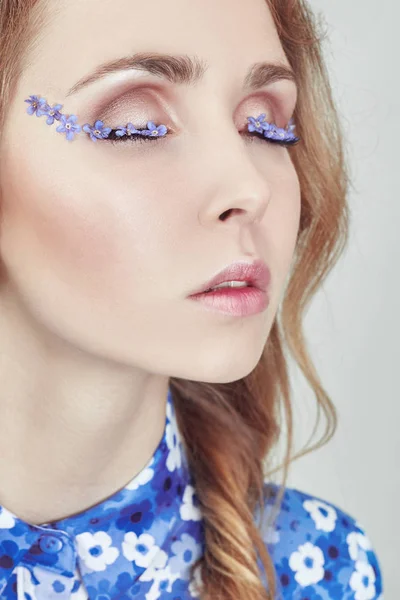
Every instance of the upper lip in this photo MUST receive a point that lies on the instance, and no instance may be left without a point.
(255, 273)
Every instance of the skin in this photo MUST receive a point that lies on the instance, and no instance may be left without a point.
(101, 244)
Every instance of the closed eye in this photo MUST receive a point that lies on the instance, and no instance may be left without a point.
(140, 139)
(278, 137)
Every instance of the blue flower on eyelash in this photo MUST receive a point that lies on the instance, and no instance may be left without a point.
(290, 129)
(153, 130)
(69, 126)
(291, 126)
(269, 129)
(52, 112)
(275, 132)
(97, 131)
(128, 130)
(258, 124)
(35, 103)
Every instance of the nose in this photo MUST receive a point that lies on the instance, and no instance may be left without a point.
(235, 185)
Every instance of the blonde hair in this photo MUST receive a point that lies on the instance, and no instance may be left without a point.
(230, 430)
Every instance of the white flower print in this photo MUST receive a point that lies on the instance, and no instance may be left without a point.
(264, 523)
(7, 520)
(147, 543)
(141, 478)
(196, 583)
(355, 541)
(362, 581)
(140, 549)
(174, 458)
(185, 551)
(80, 593)
(272, 535)
(188, 511)
(158, 563)
(96, 550)
(48, 583)
(307, 562)
(163, 581)
(323, 515)
(25, 586)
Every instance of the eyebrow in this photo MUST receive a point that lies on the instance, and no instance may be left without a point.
(182, 69)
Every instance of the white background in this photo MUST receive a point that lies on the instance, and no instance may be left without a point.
(353, 325)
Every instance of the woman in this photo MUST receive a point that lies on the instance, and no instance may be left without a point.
(145, 147)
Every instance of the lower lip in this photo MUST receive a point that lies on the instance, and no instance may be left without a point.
(239, 302)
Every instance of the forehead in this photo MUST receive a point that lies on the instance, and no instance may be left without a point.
(79, 35)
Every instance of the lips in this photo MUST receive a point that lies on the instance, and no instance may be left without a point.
(255, 274)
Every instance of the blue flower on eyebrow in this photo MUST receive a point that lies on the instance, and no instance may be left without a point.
(69, 126)
(153, 130)
(52, 112)
(128, 130)
(35, 103)
(97, 131)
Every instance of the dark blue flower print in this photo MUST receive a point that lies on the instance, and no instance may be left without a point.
(97, 131)
(139, 516)
(69, 126)
(8, 552)
(141, 541)
(286, 580)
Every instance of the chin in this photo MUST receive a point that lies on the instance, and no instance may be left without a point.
(221, 367)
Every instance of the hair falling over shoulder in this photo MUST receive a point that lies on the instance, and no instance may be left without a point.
(230, 430)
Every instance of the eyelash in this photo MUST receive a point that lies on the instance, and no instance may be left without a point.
(257, 127)
(138, 138)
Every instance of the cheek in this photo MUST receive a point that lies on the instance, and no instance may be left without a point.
(281, 220)
(79, 225)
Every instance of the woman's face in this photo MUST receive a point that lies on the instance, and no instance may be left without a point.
(103, 243)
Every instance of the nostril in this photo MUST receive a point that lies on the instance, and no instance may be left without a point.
(225, 214)
(228, 213)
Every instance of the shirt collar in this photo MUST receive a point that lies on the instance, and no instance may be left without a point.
(148, 510)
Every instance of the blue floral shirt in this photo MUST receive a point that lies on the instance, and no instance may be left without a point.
(140, 542)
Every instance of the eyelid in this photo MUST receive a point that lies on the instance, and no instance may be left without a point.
(270, 133)
(276, 104)
(99, 130)
(146, 102)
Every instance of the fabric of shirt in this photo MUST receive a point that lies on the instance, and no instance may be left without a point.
(141, 541)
